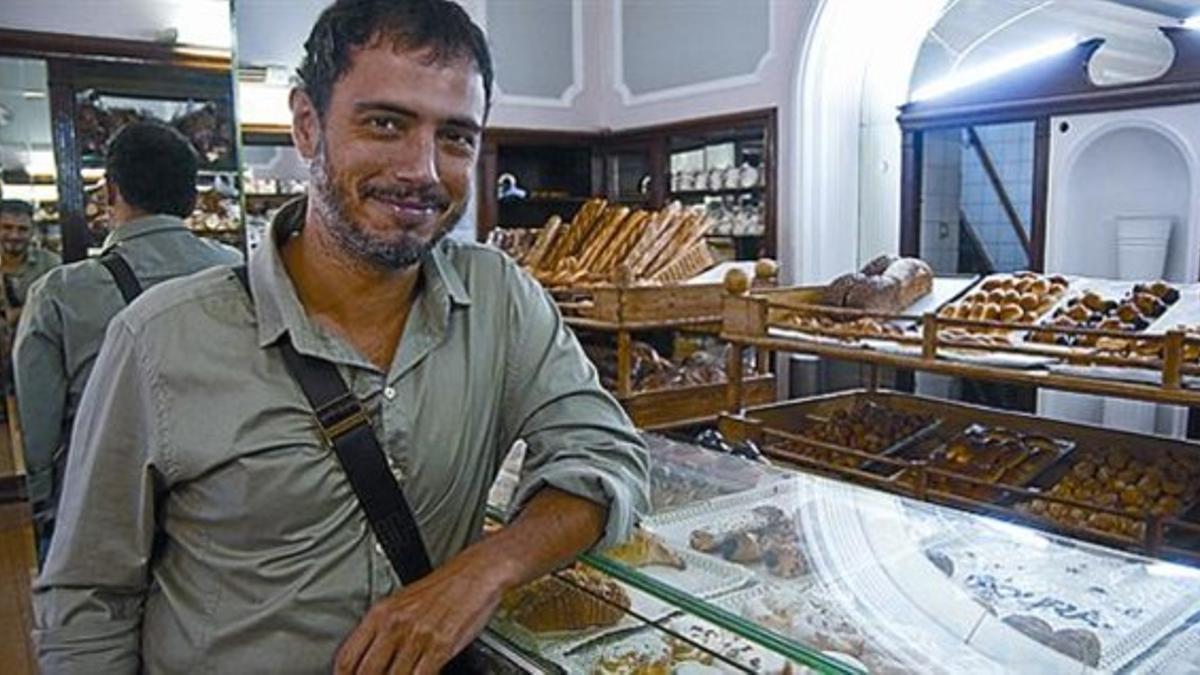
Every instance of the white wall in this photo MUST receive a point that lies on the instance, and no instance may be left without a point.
(199, 22)
(1133, 162)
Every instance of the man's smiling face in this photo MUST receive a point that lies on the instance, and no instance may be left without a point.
(393, 157)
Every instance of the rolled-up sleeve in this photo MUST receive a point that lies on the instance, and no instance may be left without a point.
(579, 439)
(88, 601)
(40, 378)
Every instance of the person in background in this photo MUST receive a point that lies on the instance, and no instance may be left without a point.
(150, 173)
(21, 262)
(207, 525)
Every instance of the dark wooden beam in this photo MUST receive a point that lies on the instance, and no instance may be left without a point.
(912, 173)
(72, 216)
(989, 169)
(1041, 190)
(37, 44)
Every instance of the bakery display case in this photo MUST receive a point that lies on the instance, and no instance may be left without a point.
(747, 567)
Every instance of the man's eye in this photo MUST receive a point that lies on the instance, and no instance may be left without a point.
(386, 124)
(459, 138)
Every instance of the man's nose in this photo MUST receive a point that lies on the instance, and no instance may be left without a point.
(415, 159)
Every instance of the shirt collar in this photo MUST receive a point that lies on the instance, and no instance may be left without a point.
(140, 227)
(278, 308)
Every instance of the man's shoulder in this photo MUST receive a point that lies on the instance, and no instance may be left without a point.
(47, 258)
(63, 279)
(177, 298)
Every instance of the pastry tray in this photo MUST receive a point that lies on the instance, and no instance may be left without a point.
(879, 468)
(1031, 477)
(1049, 477)
(865, 646)
(705, 577)
(945, 290)
(730, 513)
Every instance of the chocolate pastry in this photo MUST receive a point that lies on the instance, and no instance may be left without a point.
(742, 547)
(704, 541)
(785, 562)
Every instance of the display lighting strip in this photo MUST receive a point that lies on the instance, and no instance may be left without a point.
(991, 69)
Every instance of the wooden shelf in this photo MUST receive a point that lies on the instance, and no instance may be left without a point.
(679, 194)
(748, 320)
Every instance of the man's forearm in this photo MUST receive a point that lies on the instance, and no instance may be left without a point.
(552, 528)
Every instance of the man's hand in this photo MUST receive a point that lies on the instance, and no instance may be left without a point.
(418, 629)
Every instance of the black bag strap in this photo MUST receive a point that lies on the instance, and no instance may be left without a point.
(346, 429)
(123, 274)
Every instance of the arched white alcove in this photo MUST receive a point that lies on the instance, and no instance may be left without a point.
(854, 72)
(1135, 163)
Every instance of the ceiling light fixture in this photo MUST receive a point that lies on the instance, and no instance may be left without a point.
(991, 69)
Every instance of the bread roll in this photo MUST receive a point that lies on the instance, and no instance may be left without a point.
(902, 283)
(878, 265)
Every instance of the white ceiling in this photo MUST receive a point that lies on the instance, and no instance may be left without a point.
(971, 32)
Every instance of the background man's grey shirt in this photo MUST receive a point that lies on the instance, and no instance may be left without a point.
(206, 529)
(37, 262)
(63, 324)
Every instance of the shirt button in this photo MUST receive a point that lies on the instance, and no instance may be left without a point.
(389, 393)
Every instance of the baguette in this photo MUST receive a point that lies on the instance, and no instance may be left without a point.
(542, 244)
(691, 262)
(605, 232)
(631, 230)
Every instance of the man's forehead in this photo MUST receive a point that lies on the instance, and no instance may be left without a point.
(374, 56)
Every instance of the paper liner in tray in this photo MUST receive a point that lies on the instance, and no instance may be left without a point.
(1124, 605)
(982, 358)
(704, 577)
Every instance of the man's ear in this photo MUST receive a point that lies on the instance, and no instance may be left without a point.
(306, 123)
(111, 193)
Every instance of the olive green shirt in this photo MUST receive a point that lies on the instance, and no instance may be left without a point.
(37, 262)
(63, 324)
(206, 529)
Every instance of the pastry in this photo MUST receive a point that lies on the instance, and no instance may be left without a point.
(644, 550)
(575, 599)
(785, 562)
(865, 426)
(704, 541)
(646, 655)
(742, 547)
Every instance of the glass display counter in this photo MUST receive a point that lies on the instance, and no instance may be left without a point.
(760, 569)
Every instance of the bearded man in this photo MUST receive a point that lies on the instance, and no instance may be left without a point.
(20, 262)
(207, 525)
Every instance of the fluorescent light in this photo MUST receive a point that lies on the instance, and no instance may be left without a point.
(33, 94)
(991, 69)
(1192, 22)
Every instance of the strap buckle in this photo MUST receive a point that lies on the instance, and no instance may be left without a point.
(339, 417)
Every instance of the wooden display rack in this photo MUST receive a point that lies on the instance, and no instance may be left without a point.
(749, 316)
(625, 308)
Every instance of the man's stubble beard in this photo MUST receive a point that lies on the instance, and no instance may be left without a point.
(358, 241)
